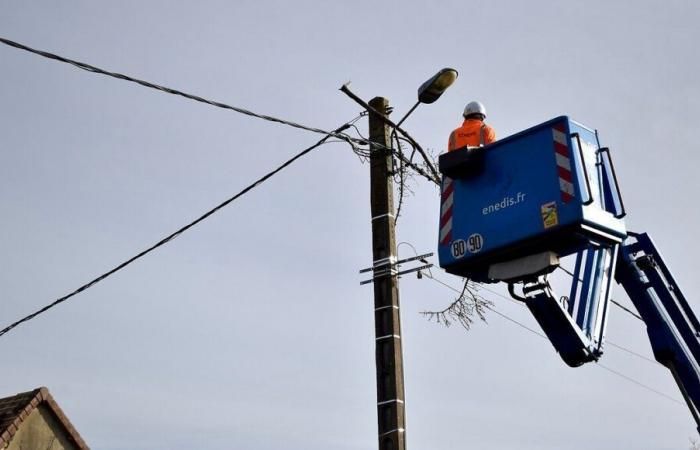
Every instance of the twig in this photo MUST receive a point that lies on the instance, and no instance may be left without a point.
(463, 308)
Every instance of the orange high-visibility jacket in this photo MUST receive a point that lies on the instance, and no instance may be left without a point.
(472, 133)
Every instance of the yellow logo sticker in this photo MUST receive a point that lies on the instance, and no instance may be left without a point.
(549, 215)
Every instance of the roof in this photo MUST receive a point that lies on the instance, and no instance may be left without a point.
(14, 409)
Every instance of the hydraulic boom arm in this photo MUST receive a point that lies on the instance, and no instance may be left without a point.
(672, 327)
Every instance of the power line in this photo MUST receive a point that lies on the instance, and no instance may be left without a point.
(177, 233)
(619, 305)
(148, 84)
(607, 341)
(484, 287)
(633, 353)
(94, 69)
(433, 176)
(619, 374)
(632, 380)
(336, 133)
(627, 310)
(490, 308)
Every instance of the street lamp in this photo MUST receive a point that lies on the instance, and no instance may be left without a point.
(432, 89)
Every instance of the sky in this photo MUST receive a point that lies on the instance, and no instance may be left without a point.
(251, 330)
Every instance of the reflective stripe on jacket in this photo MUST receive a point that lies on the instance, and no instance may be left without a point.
(472, 133)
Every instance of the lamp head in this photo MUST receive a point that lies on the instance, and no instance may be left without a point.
(432, 89)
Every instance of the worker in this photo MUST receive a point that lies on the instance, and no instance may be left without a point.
(473, 132)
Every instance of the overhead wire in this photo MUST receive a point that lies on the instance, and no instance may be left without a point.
(418, 169)
(607, 341)
(489, 307)
(598, 364)
(148, 84)
(632, 380)
(327, 134)
(335, 133)
(94, 69)
(626, 309)
(613, 301)
(631, 352)
(433, 173)
(362, 153)
(173, 235)
(519, 303)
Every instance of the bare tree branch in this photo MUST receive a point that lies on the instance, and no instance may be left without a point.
(463, 309)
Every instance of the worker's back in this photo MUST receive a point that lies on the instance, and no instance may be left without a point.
(472, 133)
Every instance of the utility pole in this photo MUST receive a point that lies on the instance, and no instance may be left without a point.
(387, 321)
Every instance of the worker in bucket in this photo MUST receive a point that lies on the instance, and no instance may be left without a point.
(473, 132)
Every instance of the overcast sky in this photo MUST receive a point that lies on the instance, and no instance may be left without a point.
(251, 331)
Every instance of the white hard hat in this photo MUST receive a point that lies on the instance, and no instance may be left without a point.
(474, 108)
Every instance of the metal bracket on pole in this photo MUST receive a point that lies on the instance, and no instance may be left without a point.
(386, 267)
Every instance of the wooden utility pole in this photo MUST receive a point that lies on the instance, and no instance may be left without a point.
(387, 322)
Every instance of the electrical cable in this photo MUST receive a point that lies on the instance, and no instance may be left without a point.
(335, 133)
(481, 286)
(598, 364)
(633, 353)
(614, 302)
(627, 310)
(520, 303)
(607, 341)
(434, 175)
(174, 235)
(632, 380)
(418, 170)
(362, 154)
(93, 69)
(490, 308)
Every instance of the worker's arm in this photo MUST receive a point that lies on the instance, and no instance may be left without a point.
(489, 135)
(451, 143)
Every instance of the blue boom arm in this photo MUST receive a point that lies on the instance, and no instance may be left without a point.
(672, 327)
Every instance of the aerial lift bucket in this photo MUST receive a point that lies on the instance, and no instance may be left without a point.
(509, 212)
